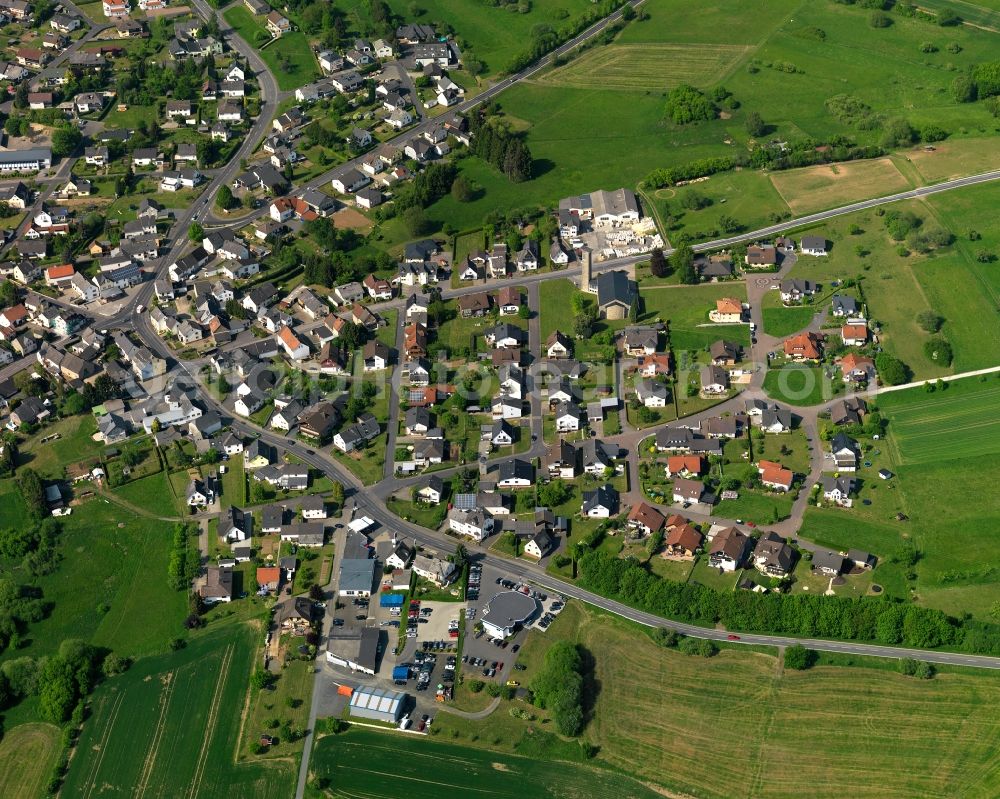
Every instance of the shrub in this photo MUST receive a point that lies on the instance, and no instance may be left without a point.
(476, 686)
(799, 658)
(879, 19)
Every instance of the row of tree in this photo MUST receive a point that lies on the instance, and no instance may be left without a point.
(183, 564)
(559, 687)
(499, 147)
(878, 619)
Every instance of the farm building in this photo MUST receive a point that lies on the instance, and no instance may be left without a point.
(378, 704)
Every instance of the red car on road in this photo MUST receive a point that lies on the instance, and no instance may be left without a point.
(733, 637)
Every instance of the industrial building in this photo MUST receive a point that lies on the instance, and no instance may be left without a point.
(506, 612)
(378, 704)
(358, 650)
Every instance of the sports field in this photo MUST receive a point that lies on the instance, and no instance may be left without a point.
(27, 755)
(647, 67)
(829, 185)
(664, 717)
(367, 764)
(171, 725)
(961, 422)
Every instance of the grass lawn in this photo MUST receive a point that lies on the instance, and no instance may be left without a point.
(387, 332)
(366, 464)
(748, 196)
(295, 683)
(300, 65)
(110, 587)
(366, 763)
(234, 483)
(960, 422)
(429, 516)
(705, 574)
(759, 506)
(955, 572)
(154, 494)
(794, 443)
(784, 321)
(798, 384)
(686, 310)
(73, 444)
(141, 731)
(15, 512)
(27, 754)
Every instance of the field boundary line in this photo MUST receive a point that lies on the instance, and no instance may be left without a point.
(945, 379)
(213, 714)
(103, 743)
(154, 744)
(243, 719)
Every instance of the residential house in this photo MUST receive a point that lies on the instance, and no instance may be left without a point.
(728, 549)
(601, 503)
(804, 347)
(772, 555)
(728, 310)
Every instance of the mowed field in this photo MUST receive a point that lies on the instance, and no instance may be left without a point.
(647, 67)
(367, 764)
(170, 726)
(960, 422)
(947, 446)
(27, 755)
(829, 185)
(664, 718)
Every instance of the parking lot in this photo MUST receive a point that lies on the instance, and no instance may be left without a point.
(430, 657)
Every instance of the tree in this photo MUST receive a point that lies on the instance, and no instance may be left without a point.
(554, 493)
(558, 687)
(196, 232)
(21, 95)
(115, 664)
(583, 322)
(32, 491)
(938, 350)
(879, 19)
(685, 104)
(929, 321)
(682, 262)
(416, 221)
(461, 189)
(65, 140)
(891, 370)
(224, 197)
(261, 679)
(963, 89)
(799, 658)
(755, 124)
(658, 263)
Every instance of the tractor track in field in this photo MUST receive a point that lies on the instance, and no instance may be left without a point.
(213, 714)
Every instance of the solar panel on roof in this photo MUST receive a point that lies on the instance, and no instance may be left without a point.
(465, 501)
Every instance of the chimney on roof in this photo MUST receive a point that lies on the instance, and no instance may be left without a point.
(585, 269)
